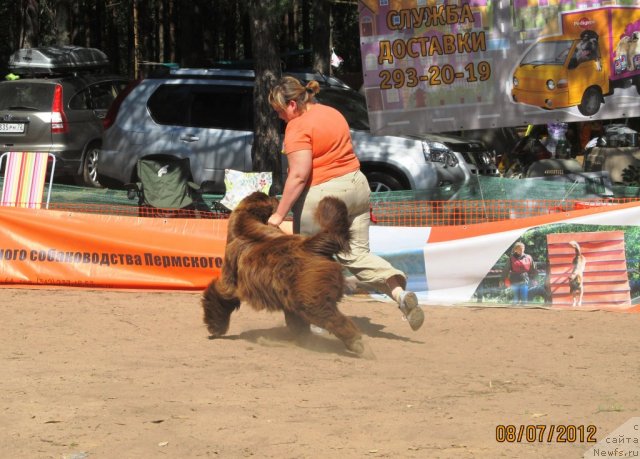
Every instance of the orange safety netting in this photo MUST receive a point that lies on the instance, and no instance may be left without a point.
(410, 213)
(463, 212)
(135, 211)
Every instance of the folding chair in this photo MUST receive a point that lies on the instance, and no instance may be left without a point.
(25, 177)
(164, 187)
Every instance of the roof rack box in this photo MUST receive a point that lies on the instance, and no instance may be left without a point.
(56, 59)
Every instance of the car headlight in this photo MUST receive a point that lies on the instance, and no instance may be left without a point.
(515, 82)
(439, 153)
(551, 84)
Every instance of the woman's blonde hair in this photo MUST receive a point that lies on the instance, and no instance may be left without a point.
(290, 88)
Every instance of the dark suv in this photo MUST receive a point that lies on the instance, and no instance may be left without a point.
(206, 115)
(57, 106)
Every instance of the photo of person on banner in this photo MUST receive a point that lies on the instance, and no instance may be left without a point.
(518, 273)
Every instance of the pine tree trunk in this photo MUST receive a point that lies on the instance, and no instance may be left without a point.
(136, 45)
(267, 143)
(321, 36)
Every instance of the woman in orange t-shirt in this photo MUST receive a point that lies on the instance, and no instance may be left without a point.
(317, 142)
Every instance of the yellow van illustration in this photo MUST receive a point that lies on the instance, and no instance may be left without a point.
(595, 54)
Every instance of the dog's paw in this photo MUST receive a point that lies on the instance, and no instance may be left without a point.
(217, 331)
(361, 348)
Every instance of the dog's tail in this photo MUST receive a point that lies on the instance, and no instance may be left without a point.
(334, 237)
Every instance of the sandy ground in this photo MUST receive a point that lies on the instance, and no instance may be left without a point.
(95, 374)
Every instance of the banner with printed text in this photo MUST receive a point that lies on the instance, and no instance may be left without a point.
(444, 265)
(449, 66)
(48, 247)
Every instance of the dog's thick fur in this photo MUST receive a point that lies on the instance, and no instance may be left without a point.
(271, 270)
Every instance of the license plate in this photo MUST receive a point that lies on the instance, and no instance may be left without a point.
(11, 128)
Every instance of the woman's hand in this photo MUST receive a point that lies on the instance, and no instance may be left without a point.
(275, 220)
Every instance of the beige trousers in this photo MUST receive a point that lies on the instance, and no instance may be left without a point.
(353, 189)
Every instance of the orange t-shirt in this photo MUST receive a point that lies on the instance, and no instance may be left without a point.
(324, 131)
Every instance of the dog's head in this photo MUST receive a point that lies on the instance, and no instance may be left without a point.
(250, 216)
(258, 205)
(589, 40)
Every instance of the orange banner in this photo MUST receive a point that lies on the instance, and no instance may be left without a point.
(61, 248)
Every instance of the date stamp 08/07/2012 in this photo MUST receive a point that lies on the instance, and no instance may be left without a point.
(546, 433)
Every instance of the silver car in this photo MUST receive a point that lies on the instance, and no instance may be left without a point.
(57, 106)
(206, 115)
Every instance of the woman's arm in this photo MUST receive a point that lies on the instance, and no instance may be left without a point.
(300, 165)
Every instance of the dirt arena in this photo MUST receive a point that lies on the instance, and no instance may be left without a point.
(100, 374)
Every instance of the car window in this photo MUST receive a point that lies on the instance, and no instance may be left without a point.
(351, 104)
(80, 101)
(205, 106)
(102, 94)
(225, 108)
(169, 104)
(26, 96)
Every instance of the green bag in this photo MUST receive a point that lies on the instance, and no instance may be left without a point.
(165, 183)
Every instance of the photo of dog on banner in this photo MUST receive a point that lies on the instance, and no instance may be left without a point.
(576, 278)
(587, 49)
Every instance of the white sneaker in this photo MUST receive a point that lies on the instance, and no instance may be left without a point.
(317, 330)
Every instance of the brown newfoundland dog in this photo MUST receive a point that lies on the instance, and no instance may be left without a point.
(268, 269)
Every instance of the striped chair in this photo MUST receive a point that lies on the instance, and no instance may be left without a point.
(24, 178)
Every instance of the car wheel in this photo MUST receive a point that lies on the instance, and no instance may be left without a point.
(379, 182)
(591, 100)
(89, 175)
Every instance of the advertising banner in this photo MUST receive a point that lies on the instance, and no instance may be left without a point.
(48, 247)
(587, 259)
(468, 264)
(440, 67)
